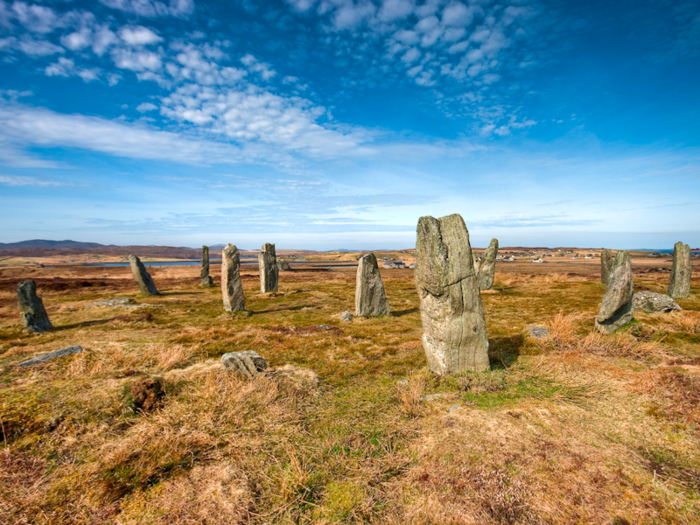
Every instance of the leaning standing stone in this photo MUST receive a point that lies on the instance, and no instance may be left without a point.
(31, 308)
(454, 328)
(142, 277)
(370, 298)
(679, 284)
(204, 274)
(231, 287)
(487, 267)
(267, 263)
(618, 302)
(607, 263)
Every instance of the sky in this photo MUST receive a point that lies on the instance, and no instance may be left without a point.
(336, 124)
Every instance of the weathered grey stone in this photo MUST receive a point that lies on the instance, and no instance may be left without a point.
(76, 349)
(142, 277)
(346, 317)
(651, 302)
(487, 266)
(370, 298)
(108, 303)
(617, 308)
(284, 266)
(206, 280)
(607, 263)
(538, 332)
(454, 328)
(269, 273)
(248, 362)
(231, 287)
(679, 283)
(31, 308)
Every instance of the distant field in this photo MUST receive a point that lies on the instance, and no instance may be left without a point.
(574, 428)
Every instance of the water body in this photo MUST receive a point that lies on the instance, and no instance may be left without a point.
(213, 262)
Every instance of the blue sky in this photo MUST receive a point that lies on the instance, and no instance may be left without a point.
(338, 123)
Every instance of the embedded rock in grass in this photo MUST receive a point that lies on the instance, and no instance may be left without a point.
(370, 298)
(284, 266)
(607, 265)
(269, 273)
(346, 317)
(651, 302)
(76, 349)
(206, 280)
(248, 362)
(31, 308)
(538, 332)
(487, 266)
(231, 287)
(618, 302)
(679, 284)
(454, 328)
(142, 277)
(146, 394)
(120, 301)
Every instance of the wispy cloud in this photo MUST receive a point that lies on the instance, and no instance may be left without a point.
(16, 180)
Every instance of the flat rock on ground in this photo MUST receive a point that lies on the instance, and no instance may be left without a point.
(247, 362)
(75, 349)
(651, 302)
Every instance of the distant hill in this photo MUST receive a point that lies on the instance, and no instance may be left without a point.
(53, 245)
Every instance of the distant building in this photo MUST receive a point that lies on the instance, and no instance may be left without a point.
(393, 265)
(508, 259)
(538, 260)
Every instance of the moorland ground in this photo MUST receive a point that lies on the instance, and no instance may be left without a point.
(573, 428)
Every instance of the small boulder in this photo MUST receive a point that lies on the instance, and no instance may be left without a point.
(248, 362)
(346, 317)
(538, 332)
(146, 394)
(651, 302)
(75, 349)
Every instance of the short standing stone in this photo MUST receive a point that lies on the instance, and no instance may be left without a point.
(206, 280)
(231, 287)
(607, 263)
(248, 362)
(269, 273)
(31, 308)
(370, 297)
(618, 302)
(454, 327)
(76, 349)
(679, 284)
(346, 317)
(284, 266)
(487, 267)
(142, 277)
(651, 302)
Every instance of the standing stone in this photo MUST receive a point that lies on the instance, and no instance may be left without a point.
(284, 266)
(267, 263)
(370, 298)
(454, 328)
(142, 277)
(31, 308)
(231, 287)
(618, 302)
(487, 268)
(207, 281)
(607, 263)
(679, 284)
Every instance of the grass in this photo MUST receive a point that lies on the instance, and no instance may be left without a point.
(351, 428)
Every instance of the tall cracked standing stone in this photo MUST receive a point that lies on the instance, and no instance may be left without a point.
(370, 297)
(207, 281)
(231, 287)
(679, 284)
(607, 263)
(487, 267)
(617, 309)
(269, 273)
(142, 277)
(31, 308)
(454, 328)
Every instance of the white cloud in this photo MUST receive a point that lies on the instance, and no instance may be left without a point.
(411, 55)
(16, 180)
(136, 60)
(65, 67)
(152, 8)
(35, 18)
(457, 15)
(254, 65)
(145, 107)
(393, 10)
(138, 36)
(350, 15)
(34, 47)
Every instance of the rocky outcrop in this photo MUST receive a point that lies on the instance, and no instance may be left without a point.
(607, 263)
(75, 349)
(231, 287)
(370, 297)
(454, 328)
(206, 280)
(31, 308)
(487, 266)
(142, 277)
(269, 273)
(617, 308)
(681, 273)
(248, 362)
(651, 302)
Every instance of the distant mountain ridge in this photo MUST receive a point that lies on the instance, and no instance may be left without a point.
(55, 245)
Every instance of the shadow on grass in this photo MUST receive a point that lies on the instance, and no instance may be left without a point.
(288, 309)
(84, 324)
(401, 313)
(505, 351)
